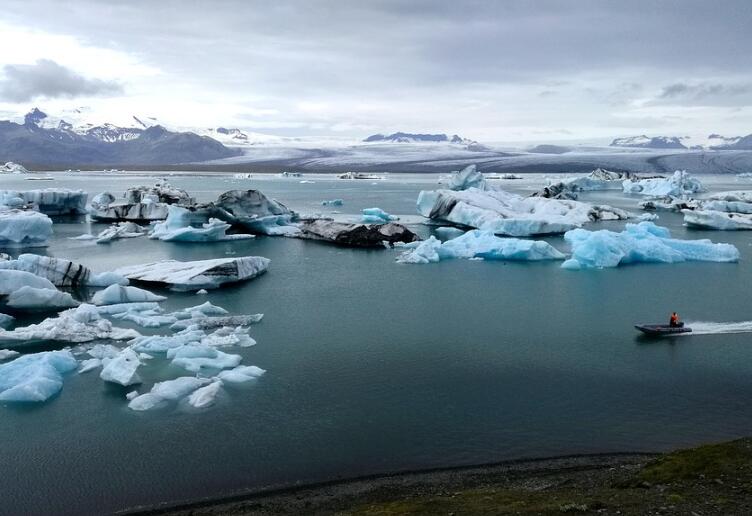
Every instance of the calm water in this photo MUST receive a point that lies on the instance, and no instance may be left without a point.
(374, 366)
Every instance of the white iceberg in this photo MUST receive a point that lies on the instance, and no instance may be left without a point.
(205, 396)
(117, 294)
(468, 177)
(480, 244)
(89, 365)
(643, 242)
(177, 227)
(13, 168)
(6, 354)
(122, 369)
(75, 325)
(167, 390)
(24, 228)
(36, 377)
(711, 219)
(448, 232)
(41, 299)
(62, 273)
(679, 185)
(50, 201)
(241, 374)
(506, 213)
(12, 280)
(203, 274)
(118, 231)
(198, 358)
(377, 216)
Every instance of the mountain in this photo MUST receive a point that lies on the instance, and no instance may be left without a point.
(647, 142)
(238, 137)
(549, 149)
(44, 140)
(401, 137)
(737, 143)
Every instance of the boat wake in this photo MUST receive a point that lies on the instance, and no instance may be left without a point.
(711, 328)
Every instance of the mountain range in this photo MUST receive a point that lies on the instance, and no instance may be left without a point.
(712, 142)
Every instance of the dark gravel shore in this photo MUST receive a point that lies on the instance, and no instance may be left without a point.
(712, 479)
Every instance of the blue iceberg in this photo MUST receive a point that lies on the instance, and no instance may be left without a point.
(643, 242)
(377, 216)
(36, 377)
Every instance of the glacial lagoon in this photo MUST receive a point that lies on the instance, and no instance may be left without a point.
(374, 366)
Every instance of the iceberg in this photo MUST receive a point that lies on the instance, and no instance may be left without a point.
(206, 323)
(377, 216)
(122, 369)
(480, 244)
(6, 321)
(333, 202)
(203, 274)
(22, 228)
(40, 299)
(356, 235)
(254, 211)
(6, 354)
(205, 396)
(509, 214)
(75, 325)
(448, 232)
(241, 374)
(722, 220)
(117, 294)
(643, 242)
(89, 365)
(178, 227)
(13, 168)
(13, 280)
(117, 231)
(35, 377)
(50, 201)
(198, 358)
(167, 390)
(468, 177)
(141, 203)
(679, 185)
(598, 179)
(62, 273)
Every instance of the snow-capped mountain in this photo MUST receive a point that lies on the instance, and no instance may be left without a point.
(648, 142)
(44, 140)
(238, 137)
(400, 137)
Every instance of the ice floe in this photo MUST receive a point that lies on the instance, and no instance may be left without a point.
(13, 168)
(40, 299)
(122, 369)
(643, 242)
(448, 232)
(117, 231)
(62, 273)
(355, 235)
(678, 185)
(142, 203)
(116, 294)
(241, 374)
(177, 227)
(377, 216)
(205, 396)
(480, 244)
(23, 228)
(203, 274)
(713, 219)
(333, 202)
(35, 377)
(166, 391)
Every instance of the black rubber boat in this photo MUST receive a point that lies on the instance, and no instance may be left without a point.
(662, 329)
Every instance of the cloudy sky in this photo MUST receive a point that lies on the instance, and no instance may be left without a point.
(490, 70)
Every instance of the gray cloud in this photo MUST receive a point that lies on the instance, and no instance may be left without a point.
(706, 94)
(46, 78)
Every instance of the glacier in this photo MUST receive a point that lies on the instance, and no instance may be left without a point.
(35, 377)
(638, 243)
(681, 184)
(480, 244)
(202, 274)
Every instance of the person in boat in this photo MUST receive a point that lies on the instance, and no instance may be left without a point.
(674, 320)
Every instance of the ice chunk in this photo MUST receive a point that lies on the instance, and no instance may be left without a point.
(103, 351)
(199, 358)
(21, 228)
(13, 168)
(164, 343)
(505, 213)
(128, 307)
(141, 203)
(36, 377)
(241, 374)
(62, 273)
(643, 242)
(205, 396)
(75, 325)
(717, 219)
(202, 292)
(41, 299)
(254, 211)
(122, 369)
(116, 294)
(6, 321)
(205, 323)
(333, 202)
(203, 310)
(89, 365)
(50, 201)
(120, 230)
(6, 354)
(678, 185)
(377, 216)
(480, 244)
(448, 232)
(178, 227)
(167, 390)
(356, 235)
(12, 280)
(184, 276)
(468, 177)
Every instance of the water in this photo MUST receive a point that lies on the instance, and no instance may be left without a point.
(374, 366)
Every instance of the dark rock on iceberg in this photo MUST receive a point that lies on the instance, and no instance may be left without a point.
(356, 235)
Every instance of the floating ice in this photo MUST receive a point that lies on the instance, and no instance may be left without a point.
(204, 274)
(6, 321)
(75, 325)
(198, 358)
(468, 177)
(62, 273)
(41, 299)
(6, 354)
(205, 323)
(333, 202)
(377, 216)
(356, 235)
(506, 213)
(178, 227)
(205, 396)
(448, 232)
(122, 369)
(141, 203)
(117, 294)
(255, 211)
(678, 185)
(241, 374)
(201, 292)
(167, 390)
(118, 231)
(643, 242)
(717, 219)
(23, 228)
(12, 280)
(13, 168)
(480, 244)
(50, 201)
(36, 377)
(89, 365)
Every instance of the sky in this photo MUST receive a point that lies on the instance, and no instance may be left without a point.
(504, 70)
